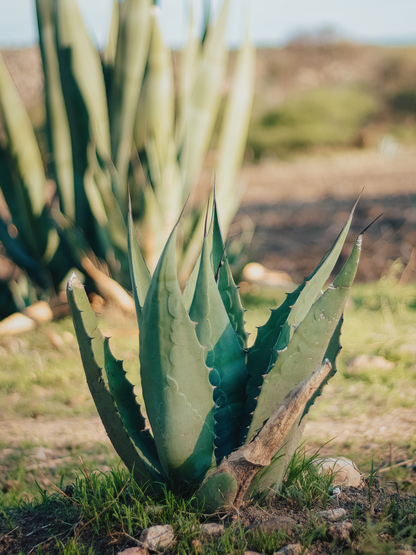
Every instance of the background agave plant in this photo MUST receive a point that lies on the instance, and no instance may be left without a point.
(211, 401)
(117, 122)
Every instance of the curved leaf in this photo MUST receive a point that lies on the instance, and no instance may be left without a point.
(308, 344)
(123, 394)
(92, 348)
(224, 356)
(276, 333)
(174, 377)
(139, 273)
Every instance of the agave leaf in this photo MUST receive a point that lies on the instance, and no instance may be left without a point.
(334, 347)
(19, 256)
(174, 377)
(276, 333)
(271, 479)
(57, 119)
(123, 394)
(189, 60)
(226, 285)
(204, 102)
(109, 53)
(152, 238)
(116, 228)
(308, 344)
(224, 356)
(85, 65)
(233, 135)
(22, 141)
(131, 55)
(140, 275)
(189, 289)
(93, 354)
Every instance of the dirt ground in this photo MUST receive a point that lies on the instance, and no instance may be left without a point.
(299, 207)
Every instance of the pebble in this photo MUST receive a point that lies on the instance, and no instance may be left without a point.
(345, 471)
(197, 546)
(333, 514)
(39, 311)
(252, 553)
(134, 551)
(16, 323)
(157, 537)
(341, 530)
(291, 549)
(373, 362)
(212, 529)
(277, 523)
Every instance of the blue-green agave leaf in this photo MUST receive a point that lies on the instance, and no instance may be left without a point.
(175, 382)
(95, 356)
(123, 394)
(140, 275)
(334, 347)
(275, 334)
(224, 356)
(226, 285)
(189, 289)
(308, 345)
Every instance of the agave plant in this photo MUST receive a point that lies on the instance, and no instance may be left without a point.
(114, 122)
(211, 400)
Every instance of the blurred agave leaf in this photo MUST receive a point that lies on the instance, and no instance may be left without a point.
(109, 53)
(57, 119)
(131, 55)
(22, 146)
(204, 103)
(233, 135)
(231, 148)
(85, 65)
(23, 184)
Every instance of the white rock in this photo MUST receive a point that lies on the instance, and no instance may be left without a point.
(363, 362)
(291, 549)
(134, 551)
(157, 537)
(40, 312)
(258, 274)
(333, 514)
(212, 529)
(341, 530)
(16, 323)
(346, 473)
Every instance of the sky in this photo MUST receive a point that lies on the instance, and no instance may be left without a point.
(273, 22)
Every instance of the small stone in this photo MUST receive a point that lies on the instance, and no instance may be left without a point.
(212, 529)
(277, 523)
(55, 339)
(292, 549)
(341, 531)
(9, 485)
(345, 471)
(197, 546)
(252, 553)
(16, 323)
(40, 311)
(333, 514)
(405, 549)
(363, 362)
(157, 537)
(134, 551)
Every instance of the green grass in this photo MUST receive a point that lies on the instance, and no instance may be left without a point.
(41, 377)
(313, 118)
